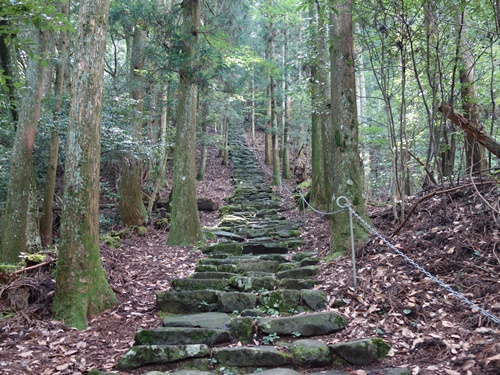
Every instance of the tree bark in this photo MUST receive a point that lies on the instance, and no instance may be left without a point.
(132, 209)
(82, 290)
(320, 115)
(344, 146)
(475, 155)
(15, 216)
(48, 196)
(185, 229)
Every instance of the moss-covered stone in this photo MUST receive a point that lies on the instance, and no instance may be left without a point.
(199, 284)
(154, 354)
(259, 356)
(297, 284)
(185, 302)
(315, 299)
(297, 257)
(231, 248)
(281, 300)
(215, 320)
(242, 329)
(298, 273)
(286, 266)
(322, 323)
(181, 336)
(205, 268)
(361, 352)
(113, 242)
(310, 353)
(235, 301)
(252, 284)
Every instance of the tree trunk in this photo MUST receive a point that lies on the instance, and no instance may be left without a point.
(33, 240)
(287, 102)
(132, 209)
(204, 147)
(320, 115)
(15, 216)
(185, 229)
(50, 187)
(82, 290)
(61, 69)
(161, 180)
(346, 162)
(474, 153)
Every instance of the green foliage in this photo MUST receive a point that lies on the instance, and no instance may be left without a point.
(270, 339)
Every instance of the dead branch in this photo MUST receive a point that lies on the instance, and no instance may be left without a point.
(472, 130)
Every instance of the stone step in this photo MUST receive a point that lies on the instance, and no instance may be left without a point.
(182, 336)
(142, 355)
(258, 356)
(270, 302)
(216, 320)
(315, 324)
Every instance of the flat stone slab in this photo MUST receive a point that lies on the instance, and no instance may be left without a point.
(298, 273)
(215, 320)
(322, 323)
(181, 372)
(236, 301)
(257, 356)
(185, 302)
(156, 354)
(199, 284)
(263, 248)
(182, 336)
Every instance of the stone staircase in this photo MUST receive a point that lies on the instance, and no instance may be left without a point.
(250, 306)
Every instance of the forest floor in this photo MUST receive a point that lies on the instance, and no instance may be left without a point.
(454, 235)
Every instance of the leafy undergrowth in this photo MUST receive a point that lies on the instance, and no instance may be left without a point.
(454, 236)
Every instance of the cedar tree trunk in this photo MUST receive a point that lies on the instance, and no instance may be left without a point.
(82, 290)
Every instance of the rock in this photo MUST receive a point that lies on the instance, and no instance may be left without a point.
(397, 371)
(232, 248)
(153, 354)
(181, 372)
(236, 301)
(199, 284)
(298, 273)
(257, 266)
(315, 299)
(297, 284)
(215, 320)
(263, 248)
(277, 371)
(182, 336)
(258, 356)
(310, 353)
(252, 284)
(242, 329)
(361, 352)
(297, 257)
(212, 275)
(282, 300)
(313, 324)
(185, 302)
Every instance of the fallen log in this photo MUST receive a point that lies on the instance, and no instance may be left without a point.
(472, 130)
